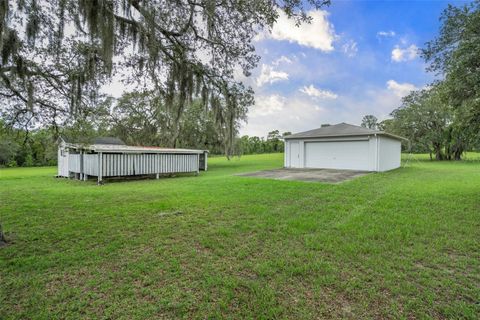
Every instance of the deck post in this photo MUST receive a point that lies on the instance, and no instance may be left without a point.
(100, 168)
(81, 165)
(157, 176)
(198, 164)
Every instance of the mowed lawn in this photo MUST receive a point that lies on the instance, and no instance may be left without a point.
(402, 244)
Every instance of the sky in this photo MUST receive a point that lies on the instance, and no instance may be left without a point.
(355, 58)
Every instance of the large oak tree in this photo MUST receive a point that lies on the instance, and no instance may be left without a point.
(455, 56)
(56, 54)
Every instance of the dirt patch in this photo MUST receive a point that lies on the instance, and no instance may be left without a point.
(308, 175)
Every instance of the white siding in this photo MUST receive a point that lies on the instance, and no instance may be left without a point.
(286, 153)
(74, 162)
(389, 153)
(118, 164)
(90, 164)
(373, 149)
(62, 161)
(295, 154)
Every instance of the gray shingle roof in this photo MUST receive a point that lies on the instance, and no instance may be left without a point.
(339, 130)
(108, 140)
(97, 140)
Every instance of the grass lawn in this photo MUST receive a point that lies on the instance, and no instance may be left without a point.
(401, 244)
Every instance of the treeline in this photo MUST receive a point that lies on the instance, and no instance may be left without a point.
(27, 148)
(19, 147)
(138, 118)
(433, 125)
(254, 145)
(429, 128)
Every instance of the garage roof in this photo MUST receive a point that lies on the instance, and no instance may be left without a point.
(340, 130)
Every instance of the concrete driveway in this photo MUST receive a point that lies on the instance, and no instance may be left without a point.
(309, 175)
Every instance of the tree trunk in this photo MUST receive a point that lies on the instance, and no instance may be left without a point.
(439, 155)
(438, 151)
(458, 154)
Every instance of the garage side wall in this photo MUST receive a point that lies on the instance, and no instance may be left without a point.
(286, 156)
(294, 153)
(389, 153)
(373, 145)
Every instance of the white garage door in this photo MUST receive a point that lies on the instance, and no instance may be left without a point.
(351, 155)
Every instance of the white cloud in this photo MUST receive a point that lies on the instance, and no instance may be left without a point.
(386, 34)
(269, 75)
(282, 59)
(267, 105)
(318, 93)
(318, 34)
(405, 54)
(350, 48)
(400, 89)
(285, 113)
(298, 112)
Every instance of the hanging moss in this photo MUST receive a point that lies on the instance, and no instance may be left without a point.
(11, 44)
(4, 8)
(33, 23)
(166, 37)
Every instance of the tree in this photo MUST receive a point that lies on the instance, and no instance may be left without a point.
(8, 150)
(139, 118)
(370, 121)
(273, 141)
(189, 49)
(142, 118)
(8, 145)
(445, 118)
(386, 125)
(254, 144)
(422, 119)
(431, 124)
(454, 54)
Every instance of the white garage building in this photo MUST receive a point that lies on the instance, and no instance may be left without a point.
(343, 146)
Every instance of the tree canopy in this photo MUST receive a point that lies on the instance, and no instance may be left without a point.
(370, 121)
(56, 54)
(455, 55)
(444, 118)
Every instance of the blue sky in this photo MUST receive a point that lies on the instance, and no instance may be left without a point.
(356, 58)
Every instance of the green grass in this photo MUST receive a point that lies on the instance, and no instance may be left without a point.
(401, 244)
